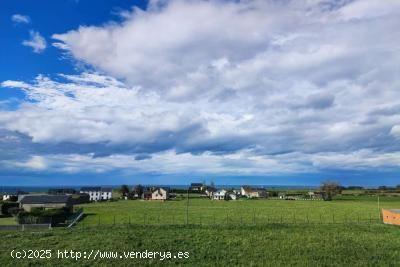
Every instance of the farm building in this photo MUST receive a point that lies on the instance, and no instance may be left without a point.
(314, 195)
(97, 193)
(391, 216)
(46, 202)
(250, 192)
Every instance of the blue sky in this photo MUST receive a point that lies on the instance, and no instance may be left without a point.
(234, 92)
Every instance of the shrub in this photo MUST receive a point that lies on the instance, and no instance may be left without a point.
(38, 216)
(5, 206)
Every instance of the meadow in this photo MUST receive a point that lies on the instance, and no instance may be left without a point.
(344, 209)
(343, 232)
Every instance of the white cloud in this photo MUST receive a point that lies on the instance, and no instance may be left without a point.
(242, 86)
(36, 42)
(18, 18)
(34, 163)
(395, 131)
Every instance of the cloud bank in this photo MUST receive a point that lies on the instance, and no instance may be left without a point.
(239, 87)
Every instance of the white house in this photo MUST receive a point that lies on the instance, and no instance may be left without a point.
(8, 196)
(160, 194)
(13, 196)
(97, 193)
(106, 193)
(219, 195)
(209, 191)
(250, 192)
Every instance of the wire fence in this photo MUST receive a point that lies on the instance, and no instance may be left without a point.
(226, 219)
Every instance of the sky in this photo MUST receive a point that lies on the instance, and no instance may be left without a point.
(271, 92)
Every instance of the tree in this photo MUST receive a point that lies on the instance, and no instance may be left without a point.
(124, 190)
(330, 189)
(137, 191)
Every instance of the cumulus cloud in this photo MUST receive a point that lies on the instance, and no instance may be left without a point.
(36, 42)
(18, 18)
(223, 86)
(395, 131)
(34, 163)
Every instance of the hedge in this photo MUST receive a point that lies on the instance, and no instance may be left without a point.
(5, 206)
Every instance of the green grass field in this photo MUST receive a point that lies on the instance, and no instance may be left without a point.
(253, 235)
(203, 211)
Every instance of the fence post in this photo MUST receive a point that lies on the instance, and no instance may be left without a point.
(333, 217)
(358, 218)
(227, 218)
(114, 219)
(281, 219)
(308, 220)
(129, 220)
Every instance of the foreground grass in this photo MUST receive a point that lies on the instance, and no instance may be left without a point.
(7, 221)
(266, 245)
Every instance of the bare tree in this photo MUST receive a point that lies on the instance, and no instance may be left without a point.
(124, 190)
(330, 189)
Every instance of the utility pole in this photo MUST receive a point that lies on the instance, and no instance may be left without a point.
(187, 207)
(379, 207)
